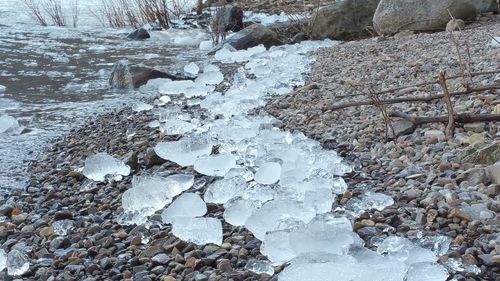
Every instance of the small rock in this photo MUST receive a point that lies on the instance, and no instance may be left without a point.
(477, 127)
(457, 213)
(474, 138)
(224, 265)
(161, 259)
(139, 34)
(439, 135)
(63, 215)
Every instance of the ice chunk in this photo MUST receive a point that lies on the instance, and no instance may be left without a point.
(184, 151)
(3, 260)
(191, 68)
(101, 164)
(2, 88)
(200, 231)
(163, 100)
(402, 249)
(266, 218)
(425, 271)
(206, 45)
(370, 200)
(177, 127)
(245, 173)
(154, 124)
(179, 183)
(260, 267)
(141, 106)
(320, 236)
(223, 190)
(186, 205)
(215, 165)
(439, 244)
(260, 193)
(210, 78)
(17, 263)
(8, 124)
(237, 210)
(175, 87)
(320, 200)
(495, 42)
(276, 244)
(268, 173)
(63, 227)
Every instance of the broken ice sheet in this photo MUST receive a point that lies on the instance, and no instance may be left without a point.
(268, 173)
(215, 165)
(177, 127)
(63, 227)
(260, 267)
(99, 165)
(17, 263)
(200, 231)
(370, 200)
(186, 205)
(186, 150)
(210, 78)
(402, 249)
(425, 271)
(175, 87)
(237, 210)
(141, 106)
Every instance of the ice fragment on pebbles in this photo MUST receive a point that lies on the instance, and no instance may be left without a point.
(184, 151)
(260, 267)
(425, 271)
(175, 87)
(215, 165)
(63, 227)
(186, 205)
(319, 200)
(8, 123)
(210, 78)
(370, 200)
(206, 45)
(2, 88)
(223, 190)
(191, 68)
(141, 106)
(101, 164)
(3, 260)
(495, 42)
(402, 249)
(268, 173)
(17, 263)
(200, 231)
(177, 127)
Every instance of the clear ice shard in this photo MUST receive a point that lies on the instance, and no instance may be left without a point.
(3, 260)
(191, 68)
(2, 88)
(175, 87)
(320, 200)
(149, 194)
(141, 106)
(268, 173)
(206, 45)
(237, 210)
(223, 190)
(177, 127)
(101, 164)
(184, 151)
(63, 227)
(8, 123)
(260, 267)
(276, 244)
(370, 200)
(215, 165)
(210, 78)
(17, 263)
(267, 217)
(200, 231)
(402, 249)
(495, 43)
(186, 205)
(426, 271)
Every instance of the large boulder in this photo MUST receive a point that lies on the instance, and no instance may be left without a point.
(252, 36)
(125, 76)
(227, 18)
(393, 16)
(485, 6)
(346, 20)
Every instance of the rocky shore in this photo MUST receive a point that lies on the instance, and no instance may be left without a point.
(437, 189)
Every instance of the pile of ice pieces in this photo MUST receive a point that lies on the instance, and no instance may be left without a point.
(279, 185)
(16, 262)
(98, 166)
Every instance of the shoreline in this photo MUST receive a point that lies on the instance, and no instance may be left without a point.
(94, 209)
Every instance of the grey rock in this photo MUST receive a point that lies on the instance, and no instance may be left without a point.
(401, 127)
(161, 259)
(485, 6)
(228, 18)
(252, 36)
(479, 154)
(151, 158)
(345, 20)
(139, 34)
(393, 16)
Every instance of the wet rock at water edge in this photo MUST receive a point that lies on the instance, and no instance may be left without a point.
(139, 34)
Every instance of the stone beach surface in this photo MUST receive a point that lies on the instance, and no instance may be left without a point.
(422, 172)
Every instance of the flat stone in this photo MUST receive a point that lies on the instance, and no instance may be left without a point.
(457, 213)
(401, 127)
(439, 135)
(477, 127)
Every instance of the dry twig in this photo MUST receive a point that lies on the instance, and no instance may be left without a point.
(450, 126)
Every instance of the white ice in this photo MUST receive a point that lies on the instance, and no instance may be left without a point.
(268, 173)
(17, 263)
(184, 151)
(206, 45)
(495, 42)
(101, 164)
(260, 267)
(237, 210)
(2, 88)
(191, 68)
(200, 231)
(3, 260)
(210, 78)
(141, 106)
(175, 87)
(426, 271)
(223, 190)
(63, 227)
(186, 205)
(8, 124)
(215, 165)
(177, 127)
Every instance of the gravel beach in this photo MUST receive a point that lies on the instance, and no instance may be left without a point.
(431, 186)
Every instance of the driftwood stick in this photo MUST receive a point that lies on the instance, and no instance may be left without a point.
(450, 127)
(411, 99)
(417, 85)
(385, 115)
(462, 118)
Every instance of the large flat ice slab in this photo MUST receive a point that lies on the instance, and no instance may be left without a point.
(186, 205)
(185, 151)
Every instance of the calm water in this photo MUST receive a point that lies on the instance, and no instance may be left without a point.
(57, 77)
